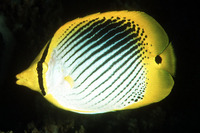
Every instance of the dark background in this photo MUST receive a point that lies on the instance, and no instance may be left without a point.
(25, 27)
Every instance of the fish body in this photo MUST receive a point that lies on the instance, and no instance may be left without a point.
(104, 62)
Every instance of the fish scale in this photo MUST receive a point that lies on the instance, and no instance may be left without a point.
(104, 62)
(94, 90)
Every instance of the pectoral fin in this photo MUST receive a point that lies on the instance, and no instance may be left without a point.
(70, 80)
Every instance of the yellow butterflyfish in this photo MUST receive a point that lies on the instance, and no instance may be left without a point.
(104, 62)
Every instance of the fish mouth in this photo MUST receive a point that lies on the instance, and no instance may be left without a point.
(20, 80)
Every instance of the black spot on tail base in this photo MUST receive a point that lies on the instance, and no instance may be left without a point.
(158, 59)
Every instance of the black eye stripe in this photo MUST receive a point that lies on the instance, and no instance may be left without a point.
(40, 69)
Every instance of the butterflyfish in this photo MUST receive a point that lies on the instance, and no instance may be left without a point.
(104, 62)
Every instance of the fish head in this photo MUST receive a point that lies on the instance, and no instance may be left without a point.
(29, 78)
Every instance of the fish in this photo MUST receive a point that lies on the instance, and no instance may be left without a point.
(104, 62)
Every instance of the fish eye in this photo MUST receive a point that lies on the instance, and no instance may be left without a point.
(158, 59)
